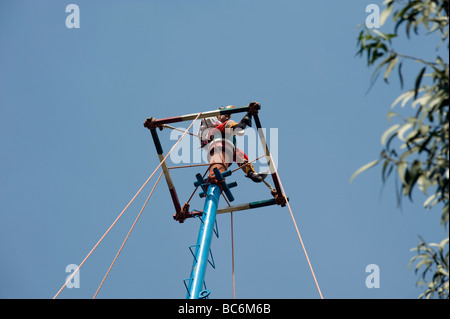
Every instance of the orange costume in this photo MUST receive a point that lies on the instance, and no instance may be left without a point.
(221, 137)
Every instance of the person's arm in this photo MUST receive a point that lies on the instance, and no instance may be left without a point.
(239, 128)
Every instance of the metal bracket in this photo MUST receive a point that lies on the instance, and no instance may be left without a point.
(204, 294)
(219, 180)
(210, 261)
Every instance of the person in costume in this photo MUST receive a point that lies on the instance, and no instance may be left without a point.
(219, 132)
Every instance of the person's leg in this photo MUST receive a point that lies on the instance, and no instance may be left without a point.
(241, 160)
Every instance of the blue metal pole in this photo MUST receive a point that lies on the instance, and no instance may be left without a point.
(204, 242)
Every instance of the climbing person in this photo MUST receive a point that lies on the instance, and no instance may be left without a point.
(218, 130)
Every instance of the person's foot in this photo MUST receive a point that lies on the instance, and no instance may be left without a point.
(256, 177)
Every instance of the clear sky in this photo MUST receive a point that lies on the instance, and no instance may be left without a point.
(74, 151)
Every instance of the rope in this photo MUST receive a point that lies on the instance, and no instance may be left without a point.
(232, 249)
(187, 166)
(232, 256)
(128, 235)
(272, 190)
(298, 232)
(123, 211)
(248, 163)
(177, 129)
(104, 235)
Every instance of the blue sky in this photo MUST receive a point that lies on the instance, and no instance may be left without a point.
(74, 151)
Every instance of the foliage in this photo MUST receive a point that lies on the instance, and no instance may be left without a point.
(435, 261)
(417, 146)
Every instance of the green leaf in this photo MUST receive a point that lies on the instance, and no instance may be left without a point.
(406, 96)
(382, 63)
(418, 80)
(388, 132)
(363, 168)
(386, 13)
(400, 75)
(413, 175)
(386, 171)
(409, 152)
(440, 62)
(389, 68)
(423, 183)
(429, 202)
(388, 144)
(424, 100)
(384, 36)
(401, 168)
(403, 129)
(391, 114)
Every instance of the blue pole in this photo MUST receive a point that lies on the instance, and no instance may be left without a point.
(204, 242)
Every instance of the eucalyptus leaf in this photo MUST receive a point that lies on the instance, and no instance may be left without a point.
(401, 169)
(403, 130)
(418, 81)
(386, 13)
(388, 132)
(363, 168)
